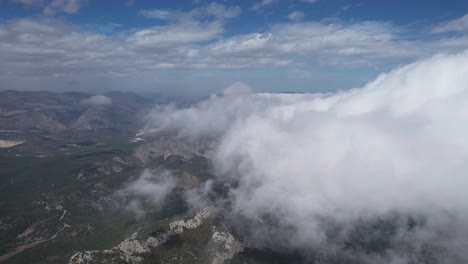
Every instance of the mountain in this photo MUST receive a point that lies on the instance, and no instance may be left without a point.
(27, 120)
(67, 161)
(46, 122)
(82, 182)
(59, 112)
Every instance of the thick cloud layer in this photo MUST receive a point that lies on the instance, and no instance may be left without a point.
(397, 146)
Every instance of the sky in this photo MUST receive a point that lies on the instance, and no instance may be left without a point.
(196, 47)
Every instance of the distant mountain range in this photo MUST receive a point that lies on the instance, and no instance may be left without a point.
(46, 121)
(60, 112)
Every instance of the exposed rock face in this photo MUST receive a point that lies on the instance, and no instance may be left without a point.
(133, 249)
(188, 181)
(107, 167)
(82, 257)
(165, 146)
(128, 251)
(225, 246)
(115, 165)
(9, 143)
(156, 241)
(178, 226)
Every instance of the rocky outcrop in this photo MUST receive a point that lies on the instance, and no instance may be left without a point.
(178, 226)
(107, 167)
(133, 249)
(128, 251)
(224, 246)
(165, 146)
(188, 181)
(9, 143)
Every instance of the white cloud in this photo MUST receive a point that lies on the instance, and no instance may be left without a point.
(458, 24)
(364, 42)
(210, 122)
(173, 35)
(153, 186)
(150, 187)
(296, 16)
(316, 163)
(49, 52)
(161, 14)
(213, 10)
(261, 4)
(98, 100)
(51, 7)
(218, 11)
(185, 27)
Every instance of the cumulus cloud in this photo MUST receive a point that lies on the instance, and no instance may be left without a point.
(51, 53)
(329, 43)
(296, 16)
(458, 24)
(98, 100)
(323, 170)
(210, 122)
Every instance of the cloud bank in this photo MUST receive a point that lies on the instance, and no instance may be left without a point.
(195, 46)
(315, 170)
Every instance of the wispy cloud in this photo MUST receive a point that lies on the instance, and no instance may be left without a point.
(161, 14)
(51, 7)
(458, 24)
(213, 10)
(151, 187)
(263, 3)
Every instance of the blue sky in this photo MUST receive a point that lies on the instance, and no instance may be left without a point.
(198, 47)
